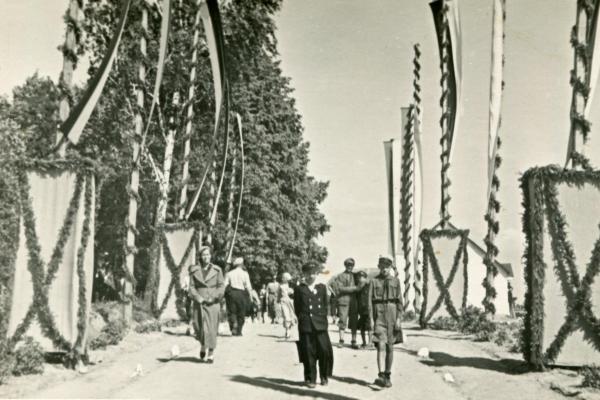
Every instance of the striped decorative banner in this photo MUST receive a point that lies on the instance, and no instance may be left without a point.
(496, 79)
(79, 116)
(454, 61)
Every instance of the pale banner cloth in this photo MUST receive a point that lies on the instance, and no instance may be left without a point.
(50, 200)
(393, 157)
(177, 241)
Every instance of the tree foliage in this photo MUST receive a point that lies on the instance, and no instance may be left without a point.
(280, 219)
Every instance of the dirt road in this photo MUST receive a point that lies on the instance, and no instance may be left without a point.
(261, 365)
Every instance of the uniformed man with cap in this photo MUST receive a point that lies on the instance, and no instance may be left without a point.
(344, 288)
(385, 311)
(238, 291)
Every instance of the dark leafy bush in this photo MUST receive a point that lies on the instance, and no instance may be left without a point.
(474, 321)
(7, 362)
(148, 326)
(444, 324)
(591, 376)
(29, 358)
(408, 316)
(111, 334)
(109, 310)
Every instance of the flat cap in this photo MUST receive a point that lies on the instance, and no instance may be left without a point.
(238, 261)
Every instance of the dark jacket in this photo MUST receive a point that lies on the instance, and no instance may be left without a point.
(311, 308)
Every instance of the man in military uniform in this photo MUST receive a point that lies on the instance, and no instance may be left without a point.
(344, 288)
(385, 311)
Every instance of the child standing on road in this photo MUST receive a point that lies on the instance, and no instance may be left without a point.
(385, 312)
(310, 305)
(364, 321)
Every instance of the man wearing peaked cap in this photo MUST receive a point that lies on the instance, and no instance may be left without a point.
(344, 288)
(238, 292)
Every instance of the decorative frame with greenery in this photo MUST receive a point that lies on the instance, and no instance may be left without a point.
(539, 187)
(430, 262)
(173, 266)
(42, 273)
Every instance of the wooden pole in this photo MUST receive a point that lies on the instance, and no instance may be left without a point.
(493, 225)
(65, 82)
(134, 181)
(444, 120)
(417, 282)
(580, 81)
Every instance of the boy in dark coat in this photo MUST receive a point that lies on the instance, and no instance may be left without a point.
(310, 306)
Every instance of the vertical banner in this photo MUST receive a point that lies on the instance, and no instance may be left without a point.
(454, 60)
(496, 79)
(595, 66)
(393, 157)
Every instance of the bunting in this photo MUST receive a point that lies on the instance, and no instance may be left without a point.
(242, 172)
(393, 157)
(73, 126)
(211, 19)
(454, 61)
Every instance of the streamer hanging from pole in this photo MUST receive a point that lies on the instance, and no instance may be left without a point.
(211, 19)
(418, 176)
(80, 114)
(213, 215)
(242, 172)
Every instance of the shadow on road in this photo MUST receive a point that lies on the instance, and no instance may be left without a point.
(506, 366)
(354, 381)
(452, 337)
(270, 336)
(181, 359)
(289, 387)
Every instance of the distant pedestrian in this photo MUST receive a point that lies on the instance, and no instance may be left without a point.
(206, 289)
(344, 288)
(238, 291)
(385, 311)
(255, 305)
(286, 303)
(362, 303)
(272, 291)
(263, 302)
(310, 305)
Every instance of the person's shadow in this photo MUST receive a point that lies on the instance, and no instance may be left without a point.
(355, 381)
(288, 387)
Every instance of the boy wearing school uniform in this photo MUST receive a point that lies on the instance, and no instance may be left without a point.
(310, 306)
(385, 312)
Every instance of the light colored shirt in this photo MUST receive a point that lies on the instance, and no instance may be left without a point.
(238, 279)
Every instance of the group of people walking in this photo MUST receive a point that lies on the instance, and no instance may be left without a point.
(371, 306)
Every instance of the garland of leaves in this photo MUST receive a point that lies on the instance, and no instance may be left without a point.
(174, 268)
(540, 197)
(429, 259)
(407, 200)
(43, 274)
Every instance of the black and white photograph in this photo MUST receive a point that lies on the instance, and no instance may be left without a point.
(300, 199)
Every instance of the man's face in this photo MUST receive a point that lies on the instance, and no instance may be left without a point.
(349, 267)
(205, 257)
(310, 277)
(384, 269)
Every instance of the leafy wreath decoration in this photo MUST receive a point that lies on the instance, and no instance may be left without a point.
(43, 274)
(540, 200)
(430, 261)
(174, 268)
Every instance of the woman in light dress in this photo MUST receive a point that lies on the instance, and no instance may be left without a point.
(286, 304)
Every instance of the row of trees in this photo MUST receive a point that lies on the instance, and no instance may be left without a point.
(280, 219)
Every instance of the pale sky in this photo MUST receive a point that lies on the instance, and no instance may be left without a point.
(351, 66)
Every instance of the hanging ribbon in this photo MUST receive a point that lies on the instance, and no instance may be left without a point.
(393, 156)
(213, 28)
(80, 114)
(454, 62)
(162, 55)
(213, 216)
(242, 172)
